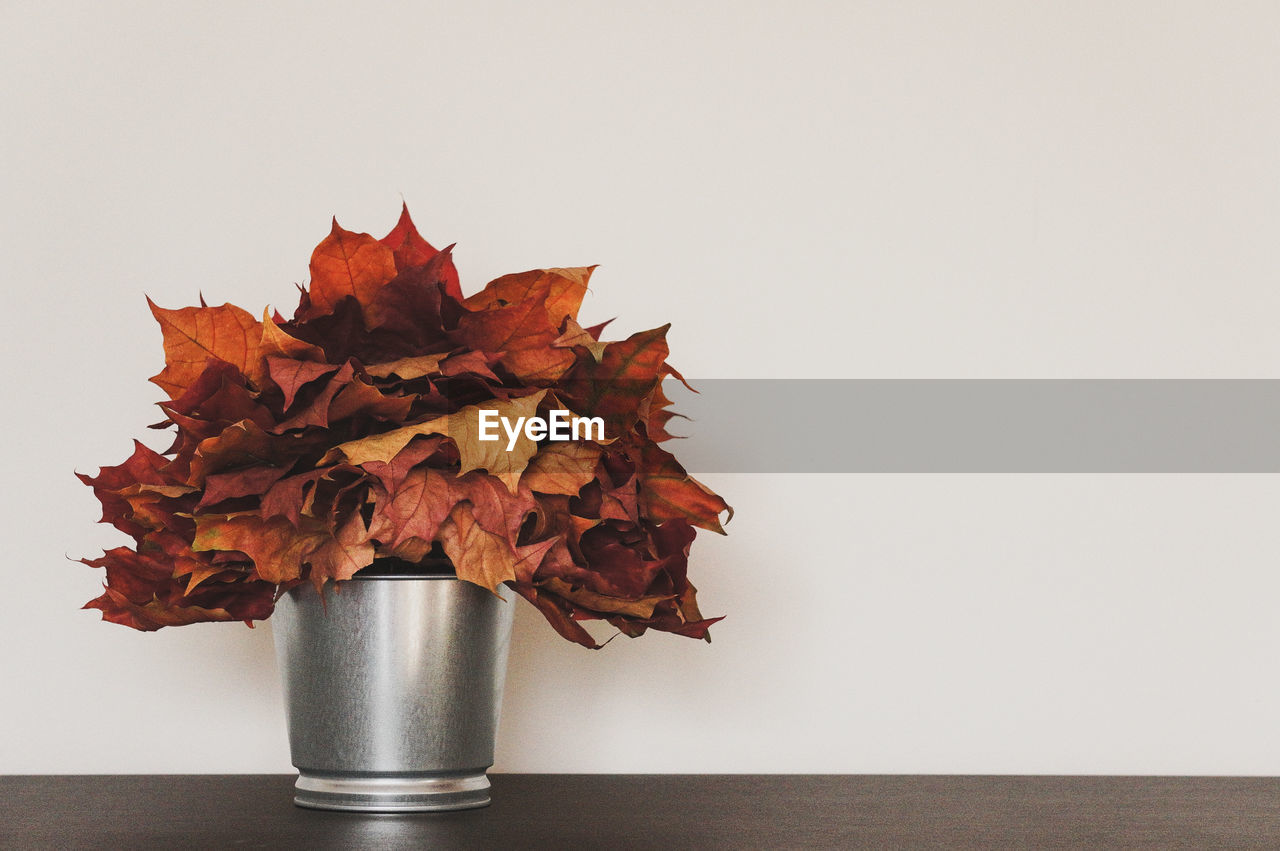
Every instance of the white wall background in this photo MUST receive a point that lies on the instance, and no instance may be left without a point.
(875, 189)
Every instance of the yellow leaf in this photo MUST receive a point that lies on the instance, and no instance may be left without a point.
(562, 467)
(407, 368)
(277, 343)
(478, 555)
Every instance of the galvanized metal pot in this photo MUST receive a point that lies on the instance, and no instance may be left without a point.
(392, 688)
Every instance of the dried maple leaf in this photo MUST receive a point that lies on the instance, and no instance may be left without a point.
(407, 368)
(411, 251)
(478, 555)
(573, 334)
(275, 342)
(562, 467)
(522, 332)
(292, 375)
(616, 385)
(667, 491)
(558, 291)
(348, 264)
(193, 335)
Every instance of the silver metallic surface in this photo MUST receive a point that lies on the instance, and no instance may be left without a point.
(392, 689)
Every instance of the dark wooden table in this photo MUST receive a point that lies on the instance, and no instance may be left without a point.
(659, 811)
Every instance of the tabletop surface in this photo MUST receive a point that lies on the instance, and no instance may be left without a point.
(659, 811)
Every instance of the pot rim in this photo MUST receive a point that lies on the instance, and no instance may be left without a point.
(402, 576)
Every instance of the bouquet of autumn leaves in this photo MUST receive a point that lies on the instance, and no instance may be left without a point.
(308, 448)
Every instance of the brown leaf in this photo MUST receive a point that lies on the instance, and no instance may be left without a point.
(200, 574)
(276, 343)
(478, 555)
(559, 291)
(156, 507)
(615, 387)
(291, 497)
(280, 551)
(193, 335)
(250, 481)
(618, 568)
(412, 250)
(524, 335)
(414, 510)
(620, 503)
(558, 613)
(315, 411)
(641, 607)
(338, 557)
(407, 368)
(574, 334)
(529, 558)
(655, 414)
(243, 444)
(348, 264)
(415, 309)
(155, 613)
(361, 399)
(409, 247)
(215, 400)
(274, 546)
(392, 473)
(666, 621)
(140, 575)
(144, 590)
(292, 375)
(562, 467)
(143, 466)
(667, 491)
(469, 363)
(497, 509)
(424, 498)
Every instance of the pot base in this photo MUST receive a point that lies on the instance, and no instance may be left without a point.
(392, 794)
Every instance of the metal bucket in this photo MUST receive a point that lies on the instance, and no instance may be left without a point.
(392, 688)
